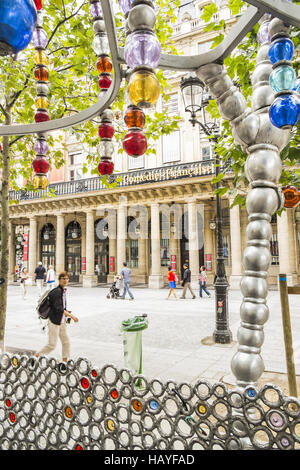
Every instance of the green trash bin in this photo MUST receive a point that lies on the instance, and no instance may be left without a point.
(132, 340)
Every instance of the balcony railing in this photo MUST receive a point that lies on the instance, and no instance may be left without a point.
(155, 175)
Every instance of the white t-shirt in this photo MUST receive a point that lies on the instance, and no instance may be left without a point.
(50, 275)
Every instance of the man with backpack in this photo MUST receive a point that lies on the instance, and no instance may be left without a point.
(55, 305)
(39, 276)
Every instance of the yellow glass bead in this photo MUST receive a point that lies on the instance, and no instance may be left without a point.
(15, 361)
(110, 425)
(143, 89)
(89, 400)
(40, 58)
(40, 182)
(202, 409)
(41, 102)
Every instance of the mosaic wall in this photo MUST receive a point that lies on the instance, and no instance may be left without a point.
(45, 404)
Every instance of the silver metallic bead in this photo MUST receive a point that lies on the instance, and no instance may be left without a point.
(256, 258)
(277, 28)
(251, 338)
(247, 367)
(259, 230)
(261, 97)
(107, 115)
(246, 127)
(42, 89)
(231, 104)
(262, 201)
(141, 17)
(254, 313)
(99, 26)
(254, 287)
(263, 164)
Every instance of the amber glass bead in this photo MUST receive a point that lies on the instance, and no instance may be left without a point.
(40, 182)
(40, 58)
(134, 117)
(291, 196)
(143, 89)
(41, 102)
(41, 74)
(104, 64)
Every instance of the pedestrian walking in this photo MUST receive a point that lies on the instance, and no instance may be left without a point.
(172, 282)
(125, 275)
(202, 281)
(186, 282)
(58, 318)
(24, 278)
(50, 278)
(39, 277)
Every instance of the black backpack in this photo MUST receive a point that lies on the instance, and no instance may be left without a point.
(43, 306)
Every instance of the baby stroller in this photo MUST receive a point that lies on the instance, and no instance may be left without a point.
(114, 290)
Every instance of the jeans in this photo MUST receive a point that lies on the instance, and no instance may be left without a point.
(203, 287)
(126, 289)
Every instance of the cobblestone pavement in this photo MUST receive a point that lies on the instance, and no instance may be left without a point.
(177, 344)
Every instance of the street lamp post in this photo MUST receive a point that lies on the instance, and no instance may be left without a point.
(195, 99)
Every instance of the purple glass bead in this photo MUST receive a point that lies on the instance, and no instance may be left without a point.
(41, 147)
(40, 38)
(96, 10)
(125, 6)
(263, 34)
(142, 48)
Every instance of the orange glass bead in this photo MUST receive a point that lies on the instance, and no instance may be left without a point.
(134, 117)
(104, 64)
(41, 74)
(137, 405)
(114, 394)
(291, 196)
(69, 412)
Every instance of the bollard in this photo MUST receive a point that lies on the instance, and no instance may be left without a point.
(287, 331)
(132, 342)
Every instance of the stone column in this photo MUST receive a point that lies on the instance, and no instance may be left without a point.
(32, 245)
(286, 246)
(156, 279)
(193, 243)
(11, 252)
(60, 244)
(90, 279)
(236, 247)
(121, 236)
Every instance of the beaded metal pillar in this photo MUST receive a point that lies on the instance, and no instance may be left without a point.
(263, 142)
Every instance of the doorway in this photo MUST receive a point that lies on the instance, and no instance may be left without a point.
(73, 251)
(101, 251)
(184, 242)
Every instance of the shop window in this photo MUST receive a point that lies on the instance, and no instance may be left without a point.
(164, 252)
(132, 253)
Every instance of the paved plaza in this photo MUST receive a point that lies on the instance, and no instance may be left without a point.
(177, 344)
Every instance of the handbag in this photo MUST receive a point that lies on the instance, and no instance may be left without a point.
(175, 278)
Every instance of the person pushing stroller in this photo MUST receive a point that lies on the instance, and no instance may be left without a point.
(114, 290)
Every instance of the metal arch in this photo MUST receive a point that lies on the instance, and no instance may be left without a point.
(283, 9)
(103, 102)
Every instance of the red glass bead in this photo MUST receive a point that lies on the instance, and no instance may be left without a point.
(38, 4)
(106, 167)
(41, 116)
(134, 117)
(104, 80)
(135, 143)
(106, 131)
(41, 165)
(12, 417)
(94, 373)
(104, 64)
(8, 403)
(114, 394)
(85, 383)
(291, 196)
(78, 447)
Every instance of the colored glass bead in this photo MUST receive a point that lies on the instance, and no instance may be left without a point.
(142, 48)
(41, 116)
(38, 4)
(291, 196)
(143, 89)
(41, 147)
(153, 405)
(263, 33)
(114, 394)
(40, 58)
(285, 111)
(125, 6)
(100, 45)
(41, 165)
(137, 405)
(106, 148)
(96, 10)
(281, 49)
(41, 74)
(85, 383)
(283, 78)
(17, 22)
(105, 167)
(106, 131)
(41, 102)
(134, 117)
(104, 80)
(135, 143)
(104, 64)
(40, 182)
(40, 38)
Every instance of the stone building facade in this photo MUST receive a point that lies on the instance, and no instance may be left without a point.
(161, 213)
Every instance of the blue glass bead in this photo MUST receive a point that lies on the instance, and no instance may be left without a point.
(297, 86)
(283, 78)
(17, 22)
(251, 393)
(285, 111)
(153, 405)
(281, 49)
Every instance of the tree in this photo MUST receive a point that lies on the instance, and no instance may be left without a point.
(240, 64)
(73, 78)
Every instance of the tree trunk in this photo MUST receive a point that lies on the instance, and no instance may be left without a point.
(4, 256)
